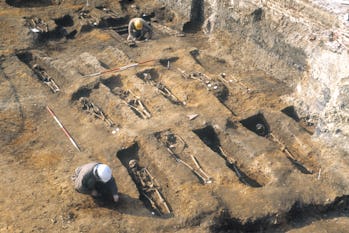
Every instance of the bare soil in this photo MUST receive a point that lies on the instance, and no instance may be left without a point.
(202, 104)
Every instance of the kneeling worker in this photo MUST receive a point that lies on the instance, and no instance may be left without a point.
(96, 179)
(139, 29)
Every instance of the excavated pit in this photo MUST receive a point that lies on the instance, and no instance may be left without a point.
(111, 19)
(210, 138)
(207, 69)
(196, 17)
(298, 216)
(291, 112)
(151, 77)
(113, 82)
(13, 117)
(144, 181)
(300, 166)
(148, 74)
(24, 3)
(48, 77)
(257, 124)
(226, 223)
(167, 62)
(128, 154)
(303, 121)
(43, 34)
(86, 105)
(84, 91)
(177, 148)
(65, 21)
(134, 102)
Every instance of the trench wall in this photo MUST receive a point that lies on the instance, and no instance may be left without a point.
(302, 43)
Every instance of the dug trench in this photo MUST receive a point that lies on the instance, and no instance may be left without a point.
(13, 118)
(149, 189)
(259, 125)
(199, 139)
(298, 216)
(42, 70)
(210, 138)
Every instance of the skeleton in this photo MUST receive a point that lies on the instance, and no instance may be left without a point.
(109, 12)
(171, 142)
(133, 101)
(223, 78)
(211, 85)
(85, 16)
(91, 108)
(36, 24)
(233, 164)
(167, 30)
(288, 153)
(45, 78)
(184, 74)
(162, 89)
(216, 86)
(148, 187)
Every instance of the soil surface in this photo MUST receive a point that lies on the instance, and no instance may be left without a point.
(218, 148)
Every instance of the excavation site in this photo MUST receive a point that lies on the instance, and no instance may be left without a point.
(227, 116)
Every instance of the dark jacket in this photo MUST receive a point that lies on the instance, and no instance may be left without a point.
(86, 182)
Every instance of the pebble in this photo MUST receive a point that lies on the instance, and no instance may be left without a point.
(115, 131)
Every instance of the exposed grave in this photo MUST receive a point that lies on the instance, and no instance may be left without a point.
(246, 57)
(303, 121)
(151, 77)
(259, 125)
(210, 138)
(34, 3)
(95, 111)
(176, 146)
(148, 187)
(39, 71)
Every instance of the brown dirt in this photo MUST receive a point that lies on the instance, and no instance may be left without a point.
(265, 189)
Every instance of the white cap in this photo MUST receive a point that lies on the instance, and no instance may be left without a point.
(103, 172)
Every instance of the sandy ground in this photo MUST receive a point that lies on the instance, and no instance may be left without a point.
(276, 182)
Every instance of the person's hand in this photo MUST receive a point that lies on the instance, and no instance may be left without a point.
(116, 198)
(94, 193)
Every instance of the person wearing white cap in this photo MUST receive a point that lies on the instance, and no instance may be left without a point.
(97, 180)
(139, 29)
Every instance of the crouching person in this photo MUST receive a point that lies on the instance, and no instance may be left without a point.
(139, 29)
(96, 180)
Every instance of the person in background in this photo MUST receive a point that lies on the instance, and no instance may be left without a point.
(96, 180)
(139, 29)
